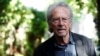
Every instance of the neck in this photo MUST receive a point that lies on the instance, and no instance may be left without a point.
(62, 40)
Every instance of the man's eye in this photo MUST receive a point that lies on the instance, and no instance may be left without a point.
(64, 18)
(55, 19)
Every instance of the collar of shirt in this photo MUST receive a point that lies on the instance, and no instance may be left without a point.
(71, 41)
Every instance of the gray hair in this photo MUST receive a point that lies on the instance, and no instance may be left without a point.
(53, 6)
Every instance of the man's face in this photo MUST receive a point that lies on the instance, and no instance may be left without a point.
(60, 21)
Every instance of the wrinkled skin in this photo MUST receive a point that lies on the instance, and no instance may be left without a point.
(60, 21)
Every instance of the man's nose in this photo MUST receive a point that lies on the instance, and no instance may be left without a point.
(61, 22)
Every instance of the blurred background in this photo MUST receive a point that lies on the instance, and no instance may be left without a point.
(23, 26)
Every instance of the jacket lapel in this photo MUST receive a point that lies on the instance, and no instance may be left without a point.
(80, 50)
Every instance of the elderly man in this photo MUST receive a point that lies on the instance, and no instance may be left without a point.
(63, 42)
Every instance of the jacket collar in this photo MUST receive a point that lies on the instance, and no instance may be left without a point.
(80, 48)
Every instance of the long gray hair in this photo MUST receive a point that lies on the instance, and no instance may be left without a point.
(53, 6)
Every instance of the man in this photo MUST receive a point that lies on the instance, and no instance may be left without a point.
(63, 42)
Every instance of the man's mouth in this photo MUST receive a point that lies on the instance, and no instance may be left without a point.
(61, 30)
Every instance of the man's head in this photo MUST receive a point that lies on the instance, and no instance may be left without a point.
(59, 17)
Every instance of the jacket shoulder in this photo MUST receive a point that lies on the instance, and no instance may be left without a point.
(80, 37)
(43, 47)
(46, 43)
(87, 42)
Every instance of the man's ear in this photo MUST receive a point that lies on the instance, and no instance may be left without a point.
(70, 25)
(49, 27)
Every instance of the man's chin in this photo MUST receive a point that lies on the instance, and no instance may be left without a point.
(61, 35)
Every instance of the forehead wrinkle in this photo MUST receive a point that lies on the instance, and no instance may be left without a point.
(59, 10)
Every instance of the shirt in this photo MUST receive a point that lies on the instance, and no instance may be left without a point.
(67, 49)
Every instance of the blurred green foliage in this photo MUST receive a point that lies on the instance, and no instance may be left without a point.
(79, 7)
(20, 28)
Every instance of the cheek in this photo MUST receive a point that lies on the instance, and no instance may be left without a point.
(53, 26)
(68, 25)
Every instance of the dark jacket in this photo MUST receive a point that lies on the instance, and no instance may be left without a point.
(83, 45)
